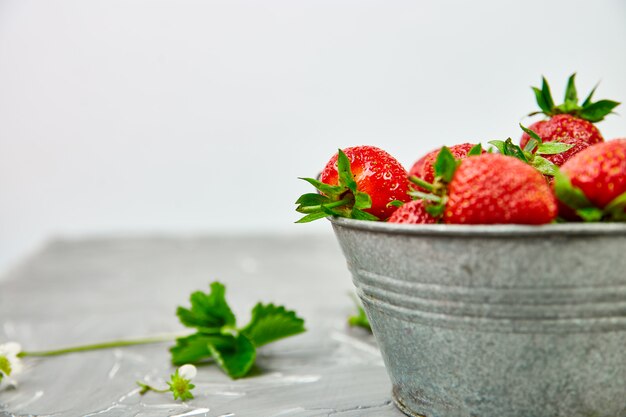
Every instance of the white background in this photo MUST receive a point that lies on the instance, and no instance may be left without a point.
(131, 116)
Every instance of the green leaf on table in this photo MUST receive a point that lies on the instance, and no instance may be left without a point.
(208, 311)
(270, 323)
(191, 349)
(235, 357)
(360, 319)
(217, 338)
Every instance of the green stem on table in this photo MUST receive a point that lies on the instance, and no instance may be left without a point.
(145, 388)
(104, 345)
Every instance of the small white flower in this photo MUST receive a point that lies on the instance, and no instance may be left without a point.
(187, 371)
(10, 363)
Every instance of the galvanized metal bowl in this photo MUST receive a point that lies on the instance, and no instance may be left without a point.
(496, 321)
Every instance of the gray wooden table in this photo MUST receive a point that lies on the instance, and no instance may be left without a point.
(75, 292)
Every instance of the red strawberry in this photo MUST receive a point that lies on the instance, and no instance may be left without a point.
(376, 173)
(493, 189)
(424, 167)
(567, 129)
(569, 122)
(413, 212)
(359, 183)
(593, 182)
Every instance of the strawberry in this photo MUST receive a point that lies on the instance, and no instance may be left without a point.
(593, 183)
(569, 122)
(487, 189)
(564, 128)
(424, 169)
(359, 183)
(493, 188)
(413, 212)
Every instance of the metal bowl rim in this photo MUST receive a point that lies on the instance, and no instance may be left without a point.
(509, 230)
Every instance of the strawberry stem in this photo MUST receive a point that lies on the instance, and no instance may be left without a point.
(425, 185)
(314, 209)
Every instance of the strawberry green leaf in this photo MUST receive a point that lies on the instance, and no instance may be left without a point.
(345, 172)
(328, 190)
(362, 200)
(569, 195)
(571, 95)
(270, 323)
(475, 150)
(499, 145)
(588, 99)
(534, 136)
(590, 214)
(544, 98)
(595, 112)
(541, 102)
(445, 165)
(508, 148)
(436, 210)
(312, 217)
(208, 311)
(395, 203)
(530, 146)
(362, 215)
(544, 166)
(237, 357)
(547, 95)
(310, 199)
(511, 149)
(616, 209)
(553, 148)
(329, 210)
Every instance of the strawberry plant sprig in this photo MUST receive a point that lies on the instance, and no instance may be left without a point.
(444, 167)
(591, 111)
(342, 200)
(217, 337)
(533, 151)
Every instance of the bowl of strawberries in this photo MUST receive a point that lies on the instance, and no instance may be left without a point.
(493, 279)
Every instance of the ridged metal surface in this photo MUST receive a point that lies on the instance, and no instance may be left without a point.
(503, 321)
